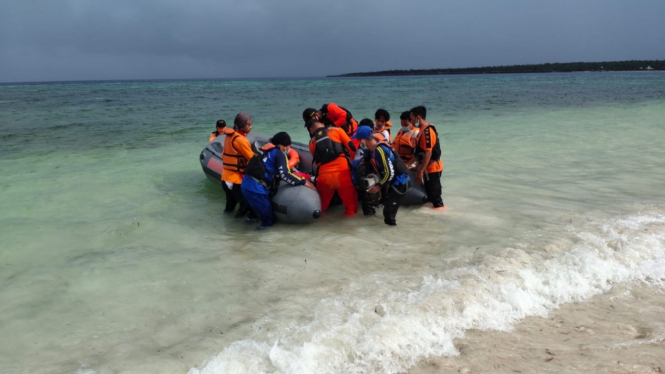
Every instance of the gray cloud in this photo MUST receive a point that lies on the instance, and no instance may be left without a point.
(83, 39)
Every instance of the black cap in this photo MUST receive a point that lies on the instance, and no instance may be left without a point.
(366, 122)
(220, 123)
(308, 114)
(281, 138)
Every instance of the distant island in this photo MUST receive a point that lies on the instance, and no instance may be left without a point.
(566, 67)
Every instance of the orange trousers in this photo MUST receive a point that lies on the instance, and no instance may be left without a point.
(329, 182)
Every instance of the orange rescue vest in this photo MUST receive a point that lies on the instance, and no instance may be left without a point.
(232, 159)
(404, 144)
(293, 157)
(326, 150)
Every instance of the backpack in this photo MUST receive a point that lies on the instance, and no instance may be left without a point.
(256, 169)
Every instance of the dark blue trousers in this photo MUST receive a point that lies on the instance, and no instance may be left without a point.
(261, 205)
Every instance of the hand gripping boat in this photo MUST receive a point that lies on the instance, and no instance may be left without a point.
(292, 204)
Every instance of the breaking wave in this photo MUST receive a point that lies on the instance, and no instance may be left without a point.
(383, 324)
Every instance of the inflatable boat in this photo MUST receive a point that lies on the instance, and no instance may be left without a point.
(292, 204)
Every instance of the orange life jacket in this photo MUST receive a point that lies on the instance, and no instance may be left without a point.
(294, 158)
(390, 133)
(381, 139)
(232, 159)
(213, 136)
(326, 149)
(267, 147)
(404, 144)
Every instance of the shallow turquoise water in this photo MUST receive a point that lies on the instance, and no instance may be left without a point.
(115, 255)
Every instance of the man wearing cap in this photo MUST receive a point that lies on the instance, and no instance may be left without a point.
(311, 113)
(259, 182)
(332, 150)
(357, 165)
(393, 181)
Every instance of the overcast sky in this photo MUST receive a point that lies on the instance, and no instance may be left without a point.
(43, 40)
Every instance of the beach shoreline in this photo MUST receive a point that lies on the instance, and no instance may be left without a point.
(618, 332)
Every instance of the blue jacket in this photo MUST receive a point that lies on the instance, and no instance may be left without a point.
(360, 157)
(276, 167)
(383, 159)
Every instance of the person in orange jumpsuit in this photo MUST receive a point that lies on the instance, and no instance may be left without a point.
(237, 153)
(331, 149)
(333, 114)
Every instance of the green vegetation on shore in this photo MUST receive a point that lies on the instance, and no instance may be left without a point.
(567, 67)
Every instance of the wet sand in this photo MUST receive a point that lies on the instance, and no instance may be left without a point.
(619, 332)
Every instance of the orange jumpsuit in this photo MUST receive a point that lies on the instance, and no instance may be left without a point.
(342, 119)
(335, 175)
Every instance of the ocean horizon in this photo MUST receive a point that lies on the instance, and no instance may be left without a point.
(121, 80)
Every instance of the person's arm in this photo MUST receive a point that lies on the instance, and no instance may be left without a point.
(312, 148)
(426, 143)
(360, 154)
(410, 162)
(422, 166)
(284, 172)
(348, 144)
(395, 144)
(244, 148)
(383, 160)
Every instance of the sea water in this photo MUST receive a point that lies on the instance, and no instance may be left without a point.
(115, 256)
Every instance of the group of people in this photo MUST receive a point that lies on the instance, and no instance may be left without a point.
(342, 149)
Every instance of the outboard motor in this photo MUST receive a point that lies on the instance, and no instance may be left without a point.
(368, 182)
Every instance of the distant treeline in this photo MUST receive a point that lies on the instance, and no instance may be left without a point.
(633, 65)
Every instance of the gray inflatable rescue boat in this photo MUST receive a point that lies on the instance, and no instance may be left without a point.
(291, 204)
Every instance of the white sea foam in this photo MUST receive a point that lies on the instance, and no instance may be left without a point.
(385, 325)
